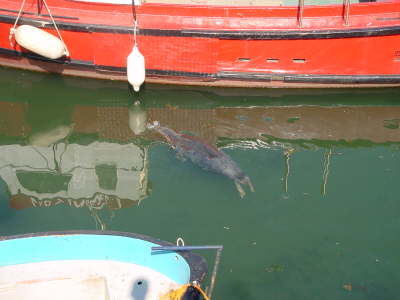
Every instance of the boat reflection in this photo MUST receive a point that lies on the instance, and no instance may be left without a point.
(96, 175)
(310, 127)
(93, 151)
(311, 124)
(289, 128)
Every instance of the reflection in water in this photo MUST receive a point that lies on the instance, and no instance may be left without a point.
(137, 118)
(327, 161)
(95, 156)
(288, 153)
(50, 157)
(98, 175)
(314, 124)
(318, 246)
(51, 136)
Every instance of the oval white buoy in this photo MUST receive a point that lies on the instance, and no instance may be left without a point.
(136, 69)
(40, 42)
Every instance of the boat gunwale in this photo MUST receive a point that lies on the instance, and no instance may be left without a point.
(360, 9)
(88, 5)
(272, 34)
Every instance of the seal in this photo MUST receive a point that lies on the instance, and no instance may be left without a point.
(204, 155)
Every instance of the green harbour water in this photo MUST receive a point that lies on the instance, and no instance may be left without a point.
(323, 222)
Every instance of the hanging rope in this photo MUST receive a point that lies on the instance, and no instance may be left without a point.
(135, 23)
(134, 32)
(12, 30)
(134, 10)
(55, 26)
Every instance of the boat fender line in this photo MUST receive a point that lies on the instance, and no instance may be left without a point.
(38, 40)
(184, 292)
(135, 64)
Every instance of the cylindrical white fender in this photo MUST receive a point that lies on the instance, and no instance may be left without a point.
(40, 42)
(136, 69)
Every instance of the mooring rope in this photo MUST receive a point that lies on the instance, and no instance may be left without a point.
(134, 10)
(12, 30)
(134, 32)
(55, 26)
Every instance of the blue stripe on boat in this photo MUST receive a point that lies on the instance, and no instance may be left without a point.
(93, 247)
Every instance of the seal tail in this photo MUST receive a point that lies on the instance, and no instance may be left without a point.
(248, 181)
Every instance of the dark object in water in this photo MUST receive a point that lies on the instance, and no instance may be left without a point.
(205, 156)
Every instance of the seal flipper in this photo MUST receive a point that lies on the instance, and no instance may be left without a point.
(248, 182)
(240, 189)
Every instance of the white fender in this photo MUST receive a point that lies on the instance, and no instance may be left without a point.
(136, 69)
(40, 42)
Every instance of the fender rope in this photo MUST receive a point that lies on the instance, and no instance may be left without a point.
(12, 30)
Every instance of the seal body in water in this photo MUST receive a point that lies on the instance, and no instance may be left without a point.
(204, 155)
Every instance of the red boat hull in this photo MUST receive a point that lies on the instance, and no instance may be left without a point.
(218, 46)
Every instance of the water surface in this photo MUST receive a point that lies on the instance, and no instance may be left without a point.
(323, 222)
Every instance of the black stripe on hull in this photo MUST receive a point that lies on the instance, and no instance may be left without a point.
(239, 76)
(218, 34)
(362, 79)
(72, 62)
(40, 15)
(307, 78)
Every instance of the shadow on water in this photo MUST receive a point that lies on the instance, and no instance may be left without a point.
(323, 222)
